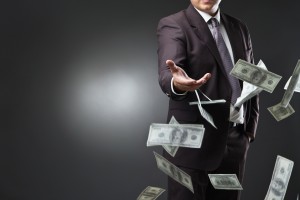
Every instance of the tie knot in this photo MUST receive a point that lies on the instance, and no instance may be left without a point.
(214, 22)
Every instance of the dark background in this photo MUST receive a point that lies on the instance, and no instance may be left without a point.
(78, 91)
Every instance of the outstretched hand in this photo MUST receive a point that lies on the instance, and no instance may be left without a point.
(182, 82)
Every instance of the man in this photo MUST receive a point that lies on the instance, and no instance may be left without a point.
(195, 53)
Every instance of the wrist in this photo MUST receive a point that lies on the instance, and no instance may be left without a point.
(175, 89)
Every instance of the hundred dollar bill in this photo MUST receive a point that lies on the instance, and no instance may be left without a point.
(174, 172)
(297, 88)
(292, 85)
(225, 181)
(280, 179)
(172, 150)
(204, 113)
(280, 113)
(208, 102)
(252, 74)
(150, 193)
(183, 135)
(249, 90)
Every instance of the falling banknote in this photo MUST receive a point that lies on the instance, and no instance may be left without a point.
(225, 181)
(257, 76)
(249, 90)
(150, 193)
(183, 135)
(297, 88)
(280, 179)
(292, 85)
(280, 113)
(172, 150)
(204, 113)
(174, 172)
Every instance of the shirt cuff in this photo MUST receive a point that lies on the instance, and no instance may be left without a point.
(172, 88)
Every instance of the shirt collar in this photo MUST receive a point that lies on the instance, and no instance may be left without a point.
(207, 17)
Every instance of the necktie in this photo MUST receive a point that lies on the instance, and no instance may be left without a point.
(226, 59)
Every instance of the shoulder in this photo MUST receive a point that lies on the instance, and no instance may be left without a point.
(235, 21)
(176, 18)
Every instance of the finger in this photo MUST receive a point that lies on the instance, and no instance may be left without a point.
(171, 65)
(185, 82)
(204, 79)
(207, 76)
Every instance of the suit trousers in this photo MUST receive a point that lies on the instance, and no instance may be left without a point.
(233, 162)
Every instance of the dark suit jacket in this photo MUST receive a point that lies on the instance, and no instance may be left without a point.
(185, 38)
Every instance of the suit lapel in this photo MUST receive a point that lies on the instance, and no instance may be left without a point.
(201, 29)
(235, 38)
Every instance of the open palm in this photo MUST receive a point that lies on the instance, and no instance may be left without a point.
(182, 82)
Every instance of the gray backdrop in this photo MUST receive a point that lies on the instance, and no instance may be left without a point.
(79, 90)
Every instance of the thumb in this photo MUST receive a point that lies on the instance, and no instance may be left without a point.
(171, 65)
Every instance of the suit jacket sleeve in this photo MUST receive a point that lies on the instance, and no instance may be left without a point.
(171, 46)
